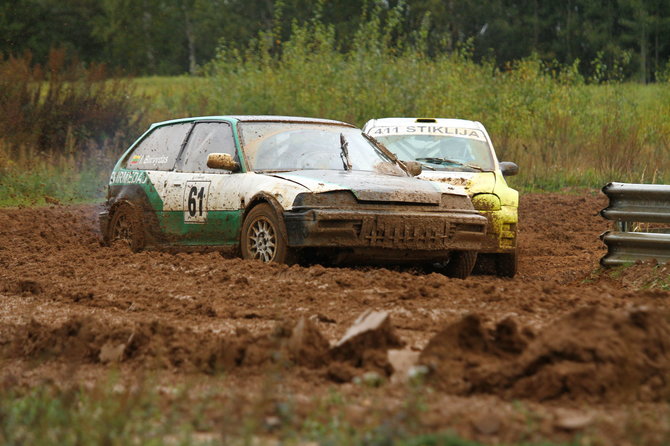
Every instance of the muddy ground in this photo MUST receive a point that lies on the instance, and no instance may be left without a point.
(562, 351)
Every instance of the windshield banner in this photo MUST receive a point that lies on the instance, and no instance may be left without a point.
(424, 129)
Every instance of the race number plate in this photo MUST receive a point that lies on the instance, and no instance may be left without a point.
(196, 194)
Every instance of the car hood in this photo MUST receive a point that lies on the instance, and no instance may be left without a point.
(369, 186)
(473, 182)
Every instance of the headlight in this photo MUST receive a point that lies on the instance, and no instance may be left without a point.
(486, 202)
(339, 198)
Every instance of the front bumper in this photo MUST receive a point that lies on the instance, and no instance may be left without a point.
(501, 230)
(427, 232)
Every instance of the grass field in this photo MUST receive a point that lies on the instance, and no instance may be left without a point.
(563, 131)
(120, 414)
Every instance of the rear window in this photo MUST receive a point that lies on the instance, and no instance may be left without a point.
(159, 149)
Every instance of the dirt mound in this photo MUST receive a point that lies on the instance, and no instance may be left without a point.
(468, 346)
(157, 345)
(591, 354)
(84, 339)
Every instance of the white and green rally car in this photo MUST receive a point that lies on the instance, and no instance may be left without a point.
(278, 187)
(460, 152)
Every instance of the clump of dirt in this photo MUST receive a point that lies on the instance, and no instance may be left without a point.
(301, 343)
(365, 345)
(468, 346)
(591, 354)
(84, 339)
(23, 287)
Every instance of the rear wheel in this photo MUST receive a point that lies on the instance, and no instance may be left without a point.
(506, 264)
(461, 264)
(262, 238)
(126, 227)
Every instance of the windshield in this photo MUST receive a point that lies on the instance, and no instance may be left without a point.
(470, 152)
(285, 146)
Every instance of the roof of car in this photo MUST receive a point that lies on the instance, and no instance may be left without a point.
(254, 118)
(461, 123)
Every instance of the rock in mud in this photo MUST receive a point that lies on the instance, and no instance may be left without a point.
(372, 330)
(111, 352)
(402, 362)
(572, 420)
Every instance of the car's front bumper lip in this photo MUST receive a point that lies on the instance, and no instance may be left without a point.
(397, 230)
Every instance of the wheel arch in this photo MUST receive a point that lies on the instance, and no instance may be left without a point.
(135, 196)
(264, 197)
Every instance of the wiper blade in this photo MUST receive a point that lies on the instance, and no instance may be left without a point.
(427, 165)
(448, 161)
(344, 146)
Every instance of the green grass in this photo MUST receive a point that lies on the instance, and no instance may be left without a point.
(115, 414)
(561, 130)
(41, 182)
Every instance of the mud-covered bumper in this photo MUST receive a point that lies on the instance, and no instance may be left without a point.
(501, 230)
(403, 231)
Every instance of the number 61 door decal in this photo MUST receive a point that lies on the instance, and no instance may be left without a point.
(195, 201)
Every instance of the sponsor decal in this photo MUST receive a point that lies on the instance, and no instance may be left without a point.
(436, 130)
(154, 159)
(128, 177)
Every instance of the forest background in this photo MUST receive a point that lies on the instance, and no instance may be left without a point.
(169, 37)
(576, 92)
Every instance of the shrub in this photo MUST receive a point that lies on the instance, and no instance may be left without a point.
(561, 129)
(63, 108)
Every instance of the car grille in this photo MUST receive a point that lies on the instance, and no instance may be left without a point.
(405, 232)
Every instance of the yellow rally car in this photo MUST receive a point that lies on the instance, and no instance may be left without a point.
(460, 152)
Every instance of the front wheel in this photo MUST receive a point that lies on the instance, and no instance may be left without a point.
(506, 264)
(261, 236)
(126, 227)
(461, 264)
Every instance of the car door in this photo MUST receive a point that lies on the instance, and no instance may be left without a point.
(204, 204)
(145, 171)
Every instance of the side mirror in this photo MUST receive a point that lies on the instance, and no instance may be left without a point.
(508, 168)
(222, 161)
(413, 167)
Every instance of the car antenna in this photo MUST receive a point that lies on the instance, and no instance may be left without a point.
(344, 145)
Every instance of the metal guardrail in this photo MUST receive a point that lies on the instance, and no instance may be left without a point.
(631, 204)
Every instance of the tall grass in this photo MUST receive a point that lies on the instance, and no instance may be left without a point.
(117, 413)
(561, 129)
(61, 126)
(65, 121)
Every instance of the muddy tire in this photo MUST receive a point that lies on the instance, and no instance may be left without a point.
(506, 265)
(262, 238)
(126, 227)
(461, 264)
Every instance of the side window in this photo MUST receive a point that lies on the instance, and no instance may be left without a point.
(206, 138)
(159, 149)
